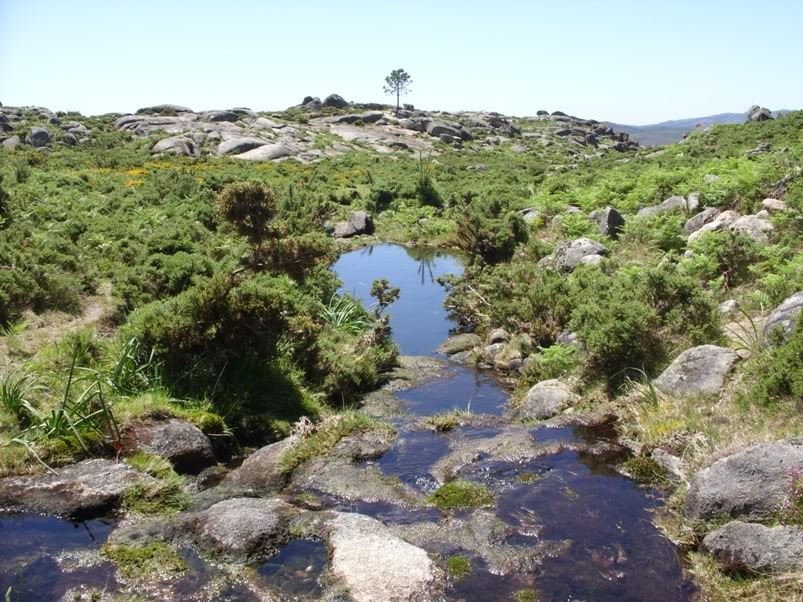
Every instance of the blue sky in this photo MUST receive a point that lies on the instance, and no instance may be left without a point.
(619, 60)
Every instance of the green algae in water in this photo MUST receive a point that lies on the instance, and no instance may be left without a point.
(458, 566)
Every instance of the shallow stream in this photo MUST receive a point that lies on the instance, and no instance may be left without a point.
(575, 495)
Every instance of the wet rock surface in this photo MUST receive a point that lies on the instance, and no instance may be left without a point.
(81, 490)
(262, 472)
(375, 565)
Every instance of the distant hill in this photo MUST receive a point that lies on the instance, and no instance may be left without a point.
(667, 132)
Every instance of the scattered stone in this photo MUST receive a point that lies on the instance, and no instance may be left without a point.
(729, 307)
(241, 529)
(261, 473)
(757, 113)
(697, 371)
(175, 145)
(673, 203)
(12, 142)
(530, 215)
(773, 205)
(610, 221)
(754, 227)
(706, 216)
(459, 342)
(181, 443)
(568, 255)
(39, 137)
(748, 547)
(720, 222)
(545, 400)
(782, 320)
(359, 223)
(749, 483)
(436, 129)
(81, 490)
(377, 566)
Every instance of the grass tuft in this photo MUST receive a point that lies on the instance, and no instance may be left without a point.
(461, 494)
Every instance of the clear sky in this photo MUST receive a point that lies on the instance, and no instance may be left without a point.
(619, 60)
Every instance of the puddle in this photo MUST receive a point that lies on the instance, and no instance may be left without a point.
(28, 555)
(294, 573)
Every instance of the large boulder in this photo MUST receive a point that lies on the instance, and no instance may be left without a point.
(782, 320)
(181, 443)
(545, 400)
(753, 226)
(568, 255)
(377, 566)
(439, 128)
(749, 483)
(262, 472)
(757, 113)
(416, 124)
(610, 221)
(749, 547)
(218, 116)
(336, 101)
(39, 137)
(267, 152)
(175, 145)
(82, 490)
(360, 222)
(673, 203)
(237, 146)
(312, 104)
(701, 219)
(697, 371)
(241, 529)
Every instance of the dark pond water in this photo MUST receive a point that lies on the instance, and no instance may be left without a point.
(30, 544)
(418, 318)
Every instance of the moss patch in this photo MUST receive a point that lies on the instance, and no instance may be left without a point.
(527, 478)
(525, 595)
(138, 561)
(461, 494)
(458, 566)
(327, 434)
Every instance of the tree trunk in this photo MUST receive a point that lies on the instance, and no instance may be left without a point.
(397, 102)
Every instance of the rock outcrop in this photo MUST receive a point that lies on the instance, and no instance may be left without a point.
(359, 223)
(181, 443)
(568, 255)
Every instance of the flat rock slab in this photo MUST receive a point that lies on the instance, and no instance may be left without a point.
(741, 547)
(377, 566)
(81, 490)
(267, 152)
(698, 371)
(459, 343)
(749, 483)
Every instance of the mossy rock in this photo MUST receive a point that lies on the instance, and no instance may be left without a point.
(461, 494)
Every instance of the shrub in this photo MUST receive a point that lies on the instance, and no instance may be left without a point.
(486, 229)
(777, 373)
(725, 255)
(551, 362)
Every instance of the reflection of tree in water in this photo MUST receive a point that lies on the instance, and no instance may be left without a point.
(426, 258)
